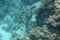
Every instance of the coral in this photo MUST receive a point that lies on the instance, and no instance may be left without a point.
(23, 38)
(36, 31)
(48, 14)
(42, 32)
(54, 19)
(25, 20)
(44, 11)
(39, 33)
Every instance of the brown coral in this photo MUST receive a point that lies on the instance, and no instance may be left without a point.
(23, 38)
(39, 32)
(54, 19)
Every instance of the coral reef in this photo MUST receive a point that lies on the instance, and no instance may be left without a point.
(54, 19)
(24, 38)
(25, 20)
(47, 16)
(43, 33)
(43, 12)
(39, 33)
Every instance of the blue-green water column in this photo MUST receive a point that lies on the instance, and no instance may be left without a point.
(16, 18)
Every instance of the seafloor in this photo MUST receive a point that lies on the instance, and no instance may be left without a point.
(29, 19)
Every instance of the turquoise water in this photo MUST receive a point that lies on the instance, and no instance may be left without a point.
(17, 17)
